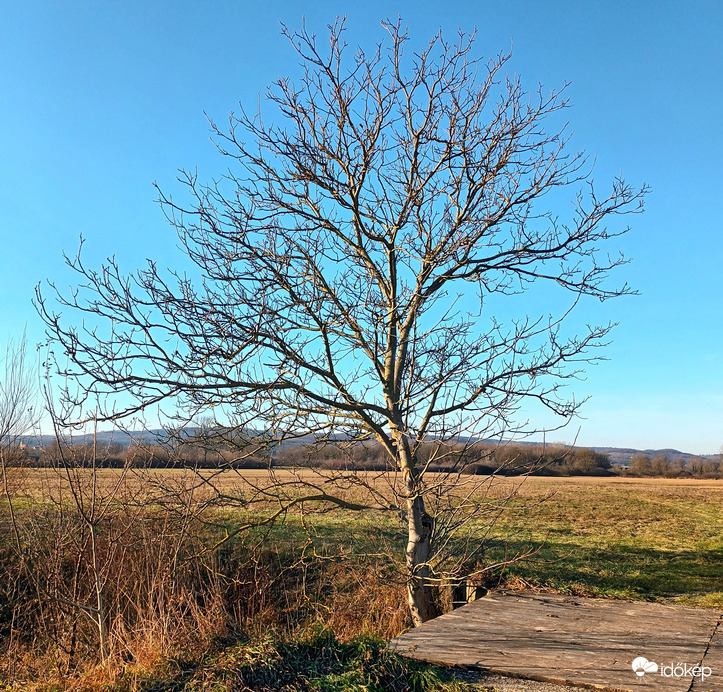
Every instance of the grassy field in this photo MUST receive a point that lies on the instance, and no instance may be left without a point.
(642, 539)
(632, 538)
(624, 538)
(639, 539)
(615, 537)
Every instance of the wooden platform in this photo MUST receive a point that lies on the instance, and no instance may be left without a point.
(583, 642)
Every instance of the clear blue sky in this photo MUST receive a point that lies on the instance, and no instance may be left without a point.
(100, 99)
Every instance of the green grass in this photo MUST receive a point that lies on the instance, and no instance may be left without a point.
(647, 542)
(315, 663)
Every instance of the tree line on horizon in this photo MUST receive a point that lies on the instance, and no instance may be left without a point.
(477, 459)
(664, 466)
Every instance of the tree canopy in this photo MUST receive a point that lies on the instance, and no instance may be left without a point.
(354, 264)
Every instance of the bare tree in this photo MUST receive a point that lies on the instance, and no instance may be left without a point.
(358, 272)
(64, 529)
(18, 415)
(18, 399)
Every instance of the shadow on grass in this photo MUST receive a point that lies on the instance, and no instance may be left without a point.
(617, 568)
(622, 570)
(565, 562)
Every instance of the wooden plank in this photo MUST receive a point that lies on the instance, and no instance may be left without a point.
(713, 660)
(576, 641)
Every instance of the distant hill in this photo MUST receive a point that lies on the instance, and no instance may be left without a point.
(104, 437)
(618, 455)
(622, 455)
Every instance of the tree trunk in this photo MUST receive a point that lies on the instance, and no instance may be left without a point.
(420, 593)
(420, 525)
(100, 610)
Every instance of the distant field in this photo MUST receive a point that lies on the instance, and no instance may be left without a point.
(617, 537)
(531, 486)
(625, 538)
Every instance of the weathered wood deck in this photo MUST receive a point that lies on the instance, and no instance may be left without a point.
(576, 641)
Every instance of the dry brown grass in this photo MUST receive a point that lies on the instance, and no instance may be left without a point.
(35, 483)
(171, 587)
